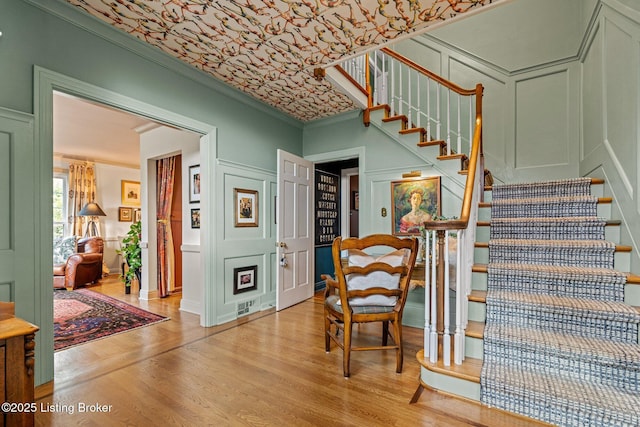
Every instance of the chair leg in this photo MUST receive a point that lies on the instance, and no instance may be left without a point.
(346, 343)
(327, 330)
(385, 332)
(397, 335)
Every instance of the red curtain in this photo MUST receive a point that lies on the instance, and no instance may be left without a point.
(165, 177)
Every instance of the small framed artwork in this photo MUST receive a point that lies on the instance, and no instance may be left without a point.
(245, 207)
(414, 201)
(355, 200)
(194, 184)
(195, 218)
(125, 214)
(130, 193)
(137, 215)
(245, 279)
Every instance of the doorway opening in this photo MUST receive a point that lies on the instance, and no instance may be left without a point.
(348, 172)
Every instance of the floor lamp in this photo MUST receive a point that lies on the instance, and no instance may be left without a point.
(91, 210)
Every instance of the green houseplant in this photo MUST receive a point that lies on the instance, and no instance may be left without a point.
(132, 254)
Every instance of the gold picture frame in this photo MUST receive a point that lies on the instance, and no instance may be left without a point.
(245, 204)
(125, 214)
(131, 193)
(413, 202)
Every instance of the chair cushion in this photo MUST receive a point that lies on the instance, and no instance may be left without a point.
(381, 279)
(334, 302)
(63, 248)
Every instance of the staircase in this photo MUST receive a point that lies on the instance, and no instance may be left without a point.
(560, 343)
(543, 322)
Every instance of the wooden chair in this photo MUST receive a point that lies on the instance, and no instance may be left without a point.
(368, 288)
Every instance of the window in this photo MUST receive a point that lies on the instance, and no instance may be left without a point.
(59, 206)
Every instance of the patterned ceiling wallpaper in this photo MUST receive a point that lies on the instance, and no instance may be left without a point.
(269, 48)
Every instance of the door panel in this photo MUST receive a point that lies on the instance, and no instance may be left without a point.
(294, 230)
(18, 224)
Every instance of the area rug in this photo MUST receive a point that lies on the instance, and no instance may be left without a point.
(82, 315)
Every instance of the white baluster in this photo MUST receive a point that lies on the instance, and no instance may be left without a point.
(393, 84)
(433, 344)
(461, 278)
(438, 114)
(446, 338)
(428, 109)
(471, 121)
(409, 121)
(427, 290)
(400, 98)
(449, 122)
(419, 96)
(459, 142)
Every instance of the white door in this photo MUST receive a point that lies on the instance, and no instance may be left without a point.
(295, 260)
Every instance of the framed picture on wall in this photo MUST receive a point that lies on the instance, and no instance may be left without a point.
(194, 184)
(130, 193)
(245, 279)
(137, 215)
(245, 207)
(414, 201)
(125, 214)
(195, 218)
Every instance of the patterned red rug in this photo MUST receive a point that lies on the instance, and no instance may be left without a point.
(82, 315)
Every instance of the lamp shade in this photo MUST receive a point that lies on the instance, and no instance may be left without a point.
(91, 209)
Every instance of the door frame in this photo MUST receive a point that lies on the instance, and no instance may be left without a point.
(350, 153)
(45, 83)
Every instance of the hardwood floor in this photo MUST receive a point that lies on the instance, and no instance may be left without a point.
(264, 369)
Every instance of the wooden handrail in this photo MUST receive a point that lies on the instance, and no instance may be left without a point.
(465, 211)
(454, 87)
(353, 81)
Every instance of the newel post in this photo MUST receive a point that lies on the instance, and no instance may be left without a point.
(440, 294)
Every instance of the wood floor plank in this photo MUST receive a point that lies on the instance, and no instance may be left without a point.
(266, 369)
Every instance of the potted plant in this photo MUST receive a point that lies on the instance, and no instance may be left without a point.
(132, 254)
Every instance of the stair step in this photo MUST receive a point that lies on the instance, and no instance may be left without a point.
(440, 142)
(384, 107)
(613, 320)
(594, 181)
(403, 119)
(527, 391)
(619, 248)
(477, 296)
(475, 329)
(488, 204)
(468, 371)
(422, 131)
(452, 156)
(632, 279)
(609, 222)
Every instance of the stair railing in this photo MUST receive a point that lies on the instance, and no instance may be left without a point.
(440, 110)
(438, 283)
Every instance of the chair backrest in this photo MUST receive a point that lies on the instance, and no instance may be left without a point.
(379, 276)
(89, 245)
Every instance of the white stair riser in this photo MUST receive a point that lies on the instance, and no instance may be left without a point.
(452, 385)
(473, 347)
(477, 311)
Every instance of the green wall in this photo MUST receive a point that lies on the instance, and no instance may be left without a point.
(53, 35)
(558, 103)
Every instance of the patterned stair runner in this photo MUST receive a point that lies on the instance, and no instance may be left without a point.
(560, 344)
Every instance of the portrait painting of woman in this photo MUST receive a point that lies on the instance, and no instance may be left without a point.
(414, 202)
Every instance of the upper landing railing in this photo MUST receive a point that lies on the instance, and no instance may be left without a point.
(450, 116)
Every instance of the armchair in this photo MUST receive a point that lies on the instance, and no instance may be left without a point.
(368, 289)
(82, 267)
